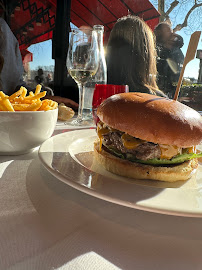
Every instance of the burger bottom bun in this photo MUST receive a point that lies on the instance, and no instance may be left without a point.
(135, 170)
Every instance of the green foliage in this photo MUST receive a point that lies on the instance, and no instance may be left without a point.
(191, 90)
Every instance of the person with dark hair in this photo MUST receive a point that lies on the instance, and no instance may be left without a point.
(170, 58)
(131, 56)
(39, 78)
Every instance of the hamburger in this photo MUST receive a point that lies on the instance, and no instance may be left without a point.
(143, 136)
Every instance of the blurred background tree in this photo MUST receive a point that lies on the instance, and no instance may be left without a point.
(184, 13)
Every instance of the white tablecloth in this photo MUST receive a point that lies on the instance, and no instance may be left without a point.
(45, 224)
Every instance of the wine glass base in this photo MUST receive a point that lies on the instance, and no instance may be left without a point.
(80, 122)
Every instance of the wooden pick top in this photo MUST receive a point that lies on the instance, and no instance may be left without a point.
(191, 51)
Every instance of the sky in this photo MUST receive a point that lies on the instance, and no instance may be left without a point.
(42, 54)
(42, 51)
(192, 68)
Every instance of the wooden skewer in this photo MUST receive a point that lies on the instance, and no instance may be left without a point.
(191, 51)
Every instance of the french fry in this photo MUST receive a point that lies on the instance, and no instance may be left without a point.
(38, 96)
(20, 101)
(54, 106)
(38, 89)
(34, 106)
(44, 104)
(2, 108)
(48, 108)
(2, 95)
(7, 104)
(31, 94)
(16, 94)
(24, 93)
(20, 107)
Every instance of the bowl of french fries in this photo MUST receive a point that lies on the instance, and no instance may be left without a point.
(26, 120)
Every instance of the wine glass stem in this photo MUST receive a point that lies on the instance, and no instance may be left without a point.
(81, 102)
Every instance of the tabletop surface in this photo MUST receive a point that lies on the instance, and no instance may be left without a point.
(46, 224)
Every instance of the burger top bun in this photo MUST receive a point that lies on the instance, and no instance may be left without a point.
(152, 118)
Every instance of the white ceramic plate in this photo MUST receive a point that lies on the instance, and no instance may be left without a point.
(69, 157)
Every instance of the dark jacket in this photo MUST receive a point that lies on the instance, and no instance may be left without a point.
(169, 65)
(12, 71)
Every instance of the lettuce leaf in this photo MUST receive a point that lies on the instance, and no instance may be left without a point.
(156, 161)
(175, 160)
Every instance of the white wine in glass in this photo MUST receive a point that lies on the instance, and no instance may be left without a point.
(82, 63)
(81, 76)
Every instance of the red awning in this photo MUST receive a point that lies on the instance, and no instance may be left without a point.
(34, 20)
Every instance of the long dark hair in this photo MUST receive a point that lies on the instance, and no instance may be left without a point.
(131, 55)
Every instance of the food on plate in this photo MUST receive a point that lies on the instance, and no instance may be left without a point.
(144, 136)
(20, 101)
(64, 112)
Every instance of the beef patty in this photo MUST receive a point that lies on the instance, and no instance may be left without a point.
(144, 151)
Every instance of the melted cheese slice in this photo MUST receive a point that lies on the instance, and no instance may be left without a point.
(100, 132)
(192, 149)
(130, 142)
(169, 151)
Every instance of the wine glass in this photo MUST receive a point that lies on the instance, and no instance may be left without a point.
(82, 63)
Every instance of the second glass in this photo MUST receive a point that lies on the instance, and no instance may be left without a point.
(102, 92)
(82, 63)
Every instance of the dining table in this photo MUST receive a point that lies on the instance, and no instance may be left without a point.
(46, 224)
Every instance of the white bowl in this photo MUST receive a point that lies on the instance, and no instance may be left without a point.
(21, 132)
